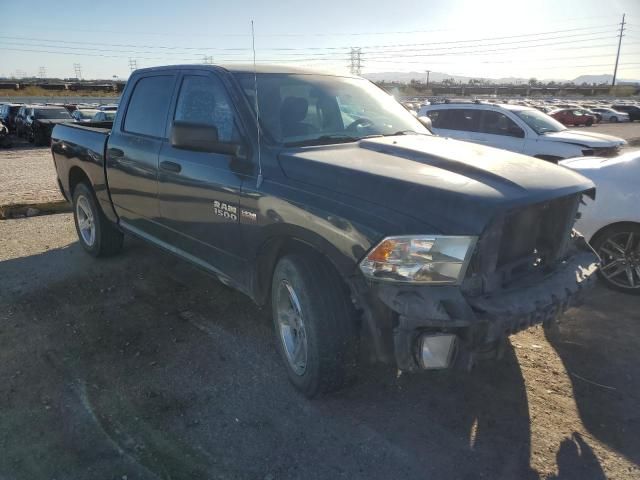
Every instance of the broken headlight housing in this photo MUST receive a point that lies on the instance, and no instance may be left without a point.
(434, 259)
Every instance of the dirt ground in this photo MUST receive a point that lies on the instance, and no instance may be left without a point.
(141, 367)
(27, 175)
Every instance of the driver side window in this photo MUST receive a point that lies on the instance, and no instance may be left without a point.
(203, 101)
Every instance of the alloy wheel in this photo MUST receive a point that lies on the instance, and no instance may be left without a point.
(620, 254)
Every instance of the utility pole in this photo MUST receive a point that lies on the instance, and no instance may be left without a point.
(42, 72)
(615, 70)
(77, 68)
(355, 64)
(428, 72)
(133, 64)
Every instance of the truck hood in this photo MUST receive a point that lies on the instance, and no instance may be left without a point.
(588, 139)
(452, 187)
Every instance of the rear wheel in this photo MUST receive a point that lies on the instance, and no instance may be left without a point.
(97, 235)
(314, 324)
(589, 123)
(614, 119)
(619, 250)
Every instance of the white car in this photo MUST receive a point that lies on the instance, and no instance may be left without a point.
(611, 115)
(611, 222)
(519, 129)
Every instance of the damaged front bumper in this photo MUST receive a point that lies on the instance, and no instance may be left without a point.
(479, 323)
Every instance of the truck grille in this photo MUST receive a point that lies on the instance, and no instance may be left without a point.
(526, 240)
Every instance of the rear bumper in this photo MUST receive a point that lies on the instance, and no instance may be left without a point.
(481, 323)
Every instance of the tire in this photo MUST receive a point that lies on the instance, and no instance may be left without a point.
(614, 119)
(628, 263)
(309, 306)
(101, 238)
(589, 123)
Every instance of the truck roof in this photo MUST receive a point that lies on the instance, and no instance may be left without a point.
(249, 68)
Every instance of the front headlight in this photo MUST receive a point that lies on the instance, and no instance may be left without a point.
(419, 259)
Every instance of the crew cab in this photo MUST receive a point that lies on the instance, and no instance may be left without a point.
(322, 198)
(518, 129)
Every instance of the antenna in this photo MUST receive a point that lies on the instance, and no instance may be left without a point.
(255, 84)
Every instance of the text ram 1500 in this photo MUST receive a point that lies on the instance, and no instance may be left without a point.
(340, 211)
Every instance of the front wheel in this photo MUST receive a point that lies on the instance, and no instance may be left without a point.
(314, 324)
(619, 249)
(614, 119)
(589, 123)
(97, 235)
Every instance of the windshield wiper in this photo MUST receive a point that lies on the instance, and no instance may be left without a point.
(403, 132)
(323, 140)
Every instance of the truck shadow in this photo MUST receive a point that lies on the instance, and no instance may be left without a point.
(142, 366)
(598, 344)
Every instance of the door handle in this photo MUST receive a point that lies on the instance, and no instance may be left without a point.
(170, 166)
(116, 153)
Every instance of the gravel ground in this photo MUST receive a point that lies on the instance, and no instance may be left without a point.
(27, 176)
(140, 367)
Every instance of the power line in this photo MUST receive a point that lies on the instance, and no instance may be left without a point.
(200, 48)
(371, 54)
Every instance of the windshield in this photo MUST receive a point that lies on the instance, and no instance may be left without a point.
(52, 113)
(297, 109)
(539, 122)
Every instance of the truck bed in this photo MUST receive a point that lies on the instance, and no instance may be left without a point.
(82, 146)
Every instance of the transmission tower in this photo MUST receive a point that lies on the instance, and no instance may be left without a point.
(77, 68)
(355, 65)
(207, 60)
(133, 64)
(42, 72)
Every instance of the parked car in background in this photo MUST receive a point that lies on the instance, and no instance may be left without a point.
(40, 120)
(632, 110)
(5, 139)
(596, 115)
(611, 221)
(8, 112)
(104, 116)
(108, 108)
(20, 119)
(573, 116)
(519, 129)
(611, 115)
(83, 115)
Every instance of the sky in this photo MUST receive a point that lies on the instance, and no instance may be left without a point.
(546, 39)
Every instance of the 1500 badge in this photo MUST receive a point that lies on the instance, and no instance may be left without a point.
(225, 210)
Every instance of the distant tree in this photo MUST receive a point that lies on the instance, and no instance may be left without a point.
(533, 81)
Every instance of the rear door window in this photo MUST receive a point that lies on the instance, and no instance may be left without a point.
(148, 106)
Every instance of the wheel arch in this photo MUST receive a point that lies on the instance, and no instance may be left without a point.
(298, 241)
(77, 175)
(604, 228)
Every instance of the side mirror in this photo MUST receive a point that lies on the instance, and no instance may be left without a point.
(201, 138)
(426, 121)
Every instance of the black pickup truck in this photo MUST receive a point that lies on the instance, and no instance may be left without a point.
(323, 198)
